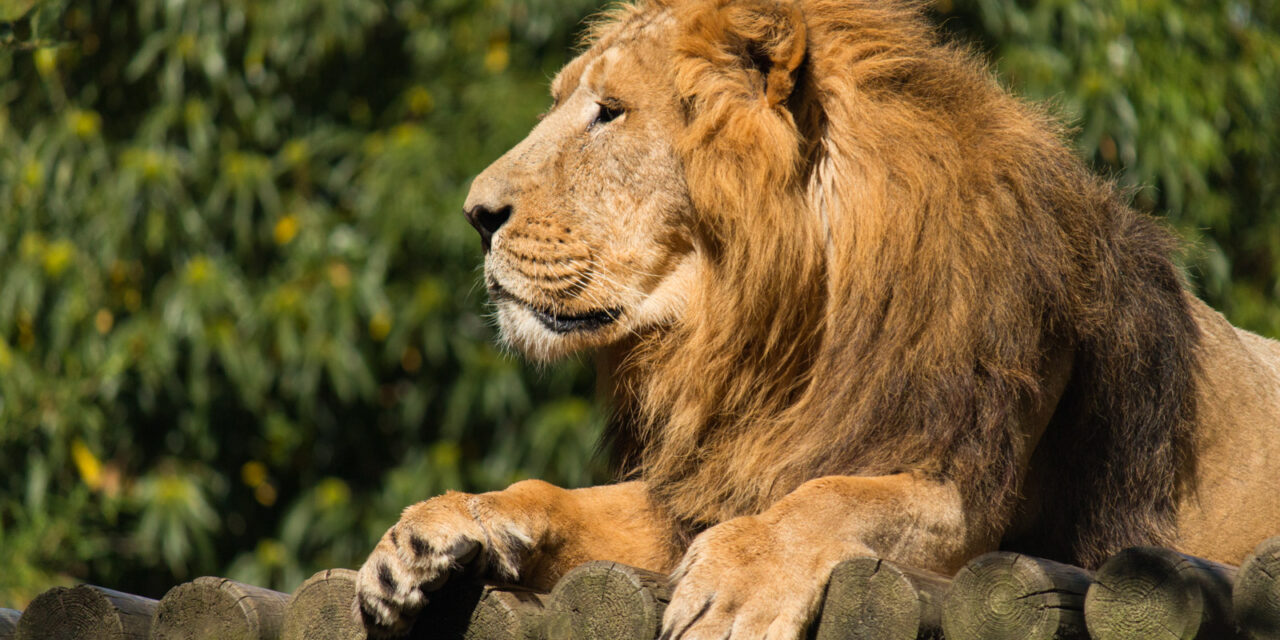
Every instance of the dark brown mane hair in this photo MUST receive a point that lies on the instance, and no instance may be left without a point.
(898, 247)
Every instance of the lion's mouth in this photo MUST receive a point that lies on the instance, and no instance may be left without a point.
(561, 323)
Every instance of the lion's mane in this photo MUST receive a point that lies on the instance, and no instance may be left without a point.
(899, 248)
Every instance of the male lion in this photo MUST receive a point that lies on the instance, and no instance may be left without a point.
(850, 298)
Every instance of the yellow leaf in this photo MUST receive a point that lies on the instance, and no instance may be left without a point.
(339, 275)
(84, 123)
(446, 454)
(380, 326)
(57, 257)
(332, 492)
(270, 553)
(296, 152)
(186, 45)
(46, 61)
(253, 473)
(6, 357)
(87, 464)
(198, 270)
(285, 230)
(193, 112)
(33, 174)
(103, 321)
(498, 56)
(420, 100)
(404, 135)
(132, 299)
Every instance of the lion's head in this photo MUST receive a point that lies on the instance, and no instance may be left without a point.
(814, 240)
(589, 226)
(584, 222)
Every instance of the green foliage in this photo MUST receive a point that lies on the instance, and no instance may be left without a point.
(27, 24)
(240, 325)
(1178, 100)
(240, 318)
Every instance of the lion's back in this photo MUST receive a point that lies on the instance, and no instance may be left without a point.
(1237, 462)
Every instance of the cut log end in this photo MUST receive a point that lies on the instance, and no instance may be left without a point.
(87, 612)
(507, 614)
(1257, 591)
(1005, 595)
(608, 600)
(870, 598)
(211, 607)
(1148, 592)
(476, 612)
(320, 608)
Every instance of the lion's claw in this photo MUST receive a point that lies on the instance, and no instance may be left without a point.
(432, 541)
(737, 582)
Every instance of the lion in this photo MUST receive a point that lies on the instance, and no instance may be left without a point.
(849, 298)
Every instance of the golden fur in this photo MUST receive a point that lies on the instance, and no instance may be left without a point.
(847, 293)
(963, 243)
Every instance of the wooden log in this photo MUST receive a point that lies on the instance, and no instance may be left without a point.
(86, 612)
(872, 599)
(211, 607)
(9, 623)
(320, 608)
(481, 612)
(507, 614)
(607, 600)
(1009, 595)
(1257, 592)
(1149, 593)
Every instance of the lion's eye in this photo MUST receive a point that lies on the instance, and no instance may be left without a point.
(610, 110)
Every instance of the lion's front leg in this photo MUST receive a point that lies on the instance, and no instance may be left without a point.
(762, 576)
(530, 534)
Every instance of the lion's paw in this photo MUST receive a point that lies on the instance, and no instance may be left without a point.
(739, 579)
(432, 541)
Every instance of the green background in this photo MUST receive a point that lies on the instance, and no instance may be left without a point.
(241, 324)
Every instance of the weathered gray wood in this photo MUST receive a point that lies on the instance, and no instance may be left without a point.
(9, 623)
(1005, 595)
(320, 608)
(872, 599)
(86, 612)
(507, 614)
(212, 607)
(481, 612)
(1257, 592)
(607, 600)
(1148, 593)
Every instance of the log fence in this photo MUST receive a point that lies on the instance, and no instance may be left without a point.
(872, 599)
(1141, 593)
(607, 600)
(1010, 596)
(219, 608)
(1147, 592)
(1256, 597)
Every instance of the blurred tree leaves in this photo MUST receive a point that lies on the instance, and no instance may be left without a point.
(240, 319)
(1177, 100)
(29, 24)
(240, 326)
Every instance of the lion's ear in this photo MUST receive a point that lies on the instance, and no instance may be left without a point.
(763, 40)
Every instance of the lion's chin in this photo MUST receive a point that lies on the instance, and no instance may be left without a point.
(544, 337)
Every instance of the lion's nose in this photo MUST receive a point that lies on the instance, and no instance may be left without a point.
(487, 220)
